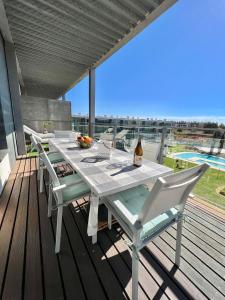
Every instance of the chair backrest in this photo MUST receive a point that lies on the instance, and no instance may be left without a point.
(106, 136)
(28, 130)
(64, 134)
(34, 142)
(169, 192)
(151, 151)
(48, 165)
(120, 135)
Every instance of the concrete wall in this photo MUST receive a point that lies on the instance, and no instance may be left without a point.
(40, 112)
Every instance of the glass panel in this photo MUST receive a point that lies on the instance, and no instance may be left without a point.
(6, 119)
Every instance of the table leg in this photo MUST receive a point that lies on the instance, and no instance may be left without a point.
(94, 239)
(93, 218)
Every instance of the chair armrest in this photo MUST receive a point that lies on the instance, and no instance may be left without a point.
(63, 186)
(117, 206)
(48, 152)
(59, 187)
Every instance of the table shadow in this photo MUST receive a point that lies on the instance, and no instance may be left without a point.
(73, 148)
(125, 170)
(93, 159)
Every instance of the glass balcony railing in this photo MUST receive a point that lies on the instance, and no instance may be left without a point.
(179, 149)
(202, 147)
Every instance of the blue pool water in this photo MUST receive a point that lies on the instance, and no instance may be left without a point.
(213, 161)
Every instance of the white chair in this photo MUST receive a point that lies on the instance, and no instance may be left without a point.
(54, 157)
(66, 190)
(151, 151)
(65, 134)
(120, 135)
(144, 214)
(105, 136)
(40, 137)
(108, 135)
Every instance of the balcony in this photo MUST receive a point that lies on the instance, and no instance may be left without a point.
(29, 268)
(46, 47)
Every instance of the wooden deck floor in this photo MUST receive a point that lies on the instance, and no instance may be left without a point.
(29, 269)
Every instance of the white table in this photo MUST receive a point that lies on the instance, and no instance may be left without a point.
(106, 177)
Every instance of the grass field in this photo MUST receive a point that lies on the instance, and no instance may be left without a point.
(32, 152)
(180, 148)
(208, 185)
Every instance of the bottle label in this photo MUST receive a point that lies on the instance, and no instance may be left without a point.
(137, 160)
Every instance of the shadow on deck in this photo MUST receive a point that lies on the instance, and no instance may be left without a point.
(29, 269)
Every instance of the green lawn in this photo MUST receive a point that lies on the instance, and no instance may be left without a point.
(180, 148)
(177, 148)
(32, 152)
(207, 186)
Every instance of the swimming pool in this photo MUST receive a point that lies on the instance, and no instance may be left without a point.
(212, 160)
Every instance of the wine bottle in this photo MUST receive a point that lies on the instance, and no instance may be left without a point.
(138, 153)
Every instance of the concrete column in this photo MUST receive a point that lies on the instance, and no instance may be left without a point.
(91, 102)
(15, 96)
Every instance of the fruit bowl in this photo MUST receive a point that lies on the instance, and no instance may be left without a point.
(85, 142)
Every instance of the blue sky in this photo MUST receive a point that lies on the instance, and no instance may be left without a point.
(174, 68)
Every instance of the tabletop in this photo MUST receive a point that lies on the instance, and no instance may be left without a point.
(107, 176)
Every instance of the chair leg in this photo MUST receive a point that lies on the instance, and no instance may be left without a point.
(41, 179)
(109, 220)
(178, 243)
(58, 229)
(49, 200)
(135, 261)
(94, 239)
(38, 167)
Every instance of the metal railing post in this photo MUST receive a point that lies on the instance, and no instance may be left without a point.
(163, 137)
(91, 128)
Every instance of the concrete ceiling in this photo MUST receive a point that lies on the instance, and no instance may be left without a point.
(57, 41)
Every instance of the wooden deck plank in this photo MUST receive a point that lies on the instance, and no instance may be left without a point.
(215, 230)
(98, 257)
(203, 211)
(204, 286)
(191, 266)
(117, 263)
(206, 217)
(197, 231)
(203, 256)
(216, 211)
(7, 191)
(29, 268)
(202, 267)
(33, 269)
(146, 281)
(162, 279)
(179, 278)
(204, 244)
(53, 288)
(14, 276)
(113, 256)
(8, 225)
(205, 229)
(70, 273)
(84, 263)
